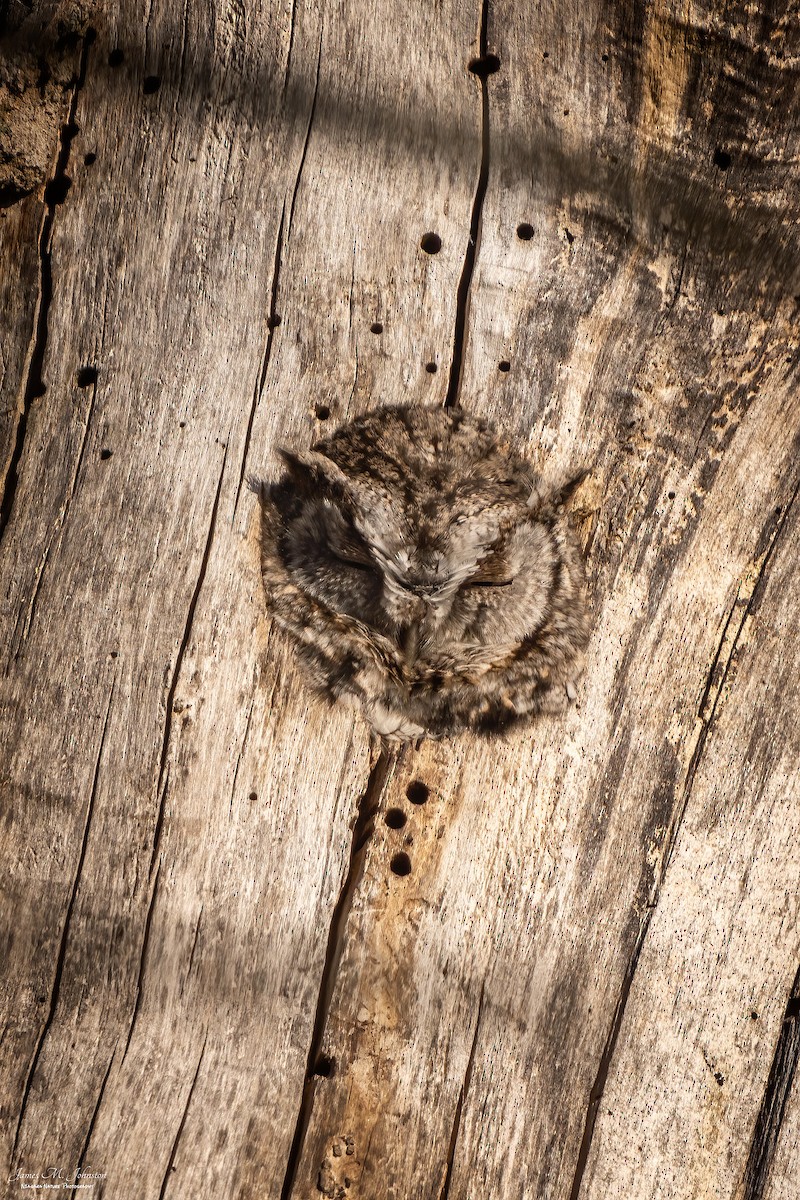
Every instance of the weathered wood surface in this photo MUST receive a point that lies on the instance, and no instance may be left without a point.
(586, 986)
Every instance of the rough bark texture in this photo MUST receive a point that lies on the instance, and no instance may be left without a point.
(213, 981)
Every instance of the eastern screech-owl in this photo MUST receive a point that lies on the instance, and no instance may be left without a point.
(421, 568)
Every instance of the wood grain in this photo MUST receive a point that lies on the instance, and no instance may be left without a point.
(246, 954)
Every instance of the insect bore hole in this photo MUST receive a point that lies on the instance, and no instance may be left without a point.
(504, 366)
(721, 159)
(431, 368)
(321, 412)
(116, 58)
(89, 158)
(417, 791)
(376, 327)
(400, 864)
(86, 376)
(395, 818)
(151, 84)
(524, 231)
(484, 66)
(105, 454)
(431, 243)
(324, 1066)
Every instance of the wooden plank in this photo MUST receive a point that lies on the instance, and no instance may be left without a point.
(196, 802)
(129, 548)
(475, 1011)
(213, 950)
(710, 994)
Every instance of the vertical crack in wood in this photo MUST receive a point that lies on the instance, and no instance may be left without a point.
(54, 194)
(62, 949)
(671, 838)
(142, 957)
(161, 787)
(181, 1126)
(192, 951)
(299, 175)
(598, 1087)
(473, 243)
(773, 1105)
(93, 1121)
(241, 752)
(451, 1152)
(717, 678)
(58, 525)
(292, 22)
(258, 387)
(363, 828)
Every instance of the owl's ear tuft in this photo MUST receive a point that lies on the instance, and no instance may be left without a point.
(564, 493)
(311, 470)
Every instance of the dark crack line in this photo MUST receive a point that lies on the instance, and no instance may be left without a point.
(598, 1087)
(62, 949)
(161, 787)
(258, 387)
(93, 1121)
(59, 525)
(773, 1104)
(194, 947)
(307, 138)
(708, 718)
(292, 21)
(363, 828)
(671, 838)
(241, 752)
(473, 244)
(182, 1125)
(34, 384)
(454, 1134)
(137, 1004)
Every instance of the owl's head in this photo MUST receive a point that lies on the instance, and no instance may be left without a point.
(422, 525)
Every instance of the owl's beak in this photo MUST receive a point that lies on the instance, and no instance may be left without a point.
(426, 589)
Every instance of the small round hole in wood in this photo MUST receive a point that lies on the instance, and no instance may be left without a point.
(400, 864)
(431, 243)
(86, 376)
(376, 327)
(116, 58)
(484, 66)
(321, 412)
(324, 1066)
(89, 158)
(525, 231)
(151, 85)
(431, 368)
(395, 818)
(504, 366)
(417, 791)
(722, 159)
(105, 454)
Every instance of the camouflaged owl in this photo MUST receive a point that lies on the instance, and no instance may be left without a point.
(425, 573)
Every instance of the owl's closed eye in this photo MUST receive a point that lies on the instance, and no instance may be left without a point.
(412, 558)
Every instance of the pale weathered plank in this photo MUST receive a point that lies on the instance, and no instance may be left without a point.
(708, 1001)
(636, 348)
(106, 559)
(206, 873)
(218, 979)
